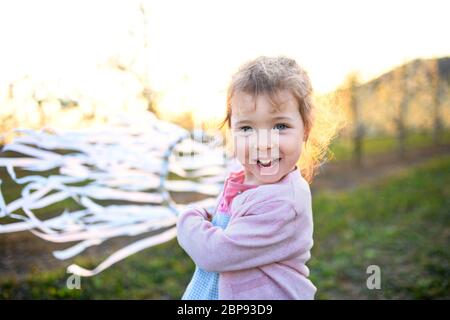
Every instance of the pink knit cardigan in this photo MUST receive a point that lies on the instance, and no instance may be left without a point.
(262, 253)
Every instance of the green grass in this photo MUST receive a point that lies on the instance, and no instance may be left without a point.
(401, 224)
(342, 148)
(156, 273)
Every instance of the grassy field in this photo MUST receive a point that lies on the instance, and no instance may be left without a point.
(342, 148)
(401, 224)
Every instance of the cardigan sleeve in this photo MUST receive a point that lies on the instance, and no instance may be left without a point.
(270, 232)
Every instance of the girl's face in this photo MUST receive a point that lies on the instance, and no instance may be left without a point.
(266, 141)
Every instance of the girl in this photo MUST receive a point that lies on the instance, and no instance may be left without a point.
(256, 243)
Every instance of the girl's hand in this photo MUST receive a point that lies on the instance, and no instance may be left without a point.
(205, 214)
(208, 215)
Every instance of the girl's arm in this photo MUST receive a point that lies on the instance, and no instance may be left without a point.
(273, 231)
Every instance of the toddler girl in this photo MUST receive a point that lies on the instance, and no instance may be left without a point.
(256, 243)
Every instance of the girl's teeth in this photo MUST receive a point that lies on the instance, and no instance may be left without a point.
(266, 163)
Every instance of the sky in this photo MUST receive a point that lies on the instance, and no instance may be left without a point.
(194, 46)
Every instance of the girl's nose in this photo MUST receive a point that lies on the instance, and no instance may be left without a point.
(264, 146)
(266, 140)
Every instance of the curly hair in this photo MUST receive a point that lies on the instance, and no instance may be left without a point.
(269, 76)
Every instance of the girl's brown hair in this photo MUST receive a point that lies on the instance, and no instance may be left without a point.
(269, 76)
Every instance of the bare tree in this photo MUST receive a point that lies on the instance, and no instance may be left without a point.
(352, 83)
(437, 95)
(141, 74)
(403, 74)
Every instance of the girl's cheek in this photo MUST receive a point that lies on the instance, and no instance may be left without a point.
(290, 145)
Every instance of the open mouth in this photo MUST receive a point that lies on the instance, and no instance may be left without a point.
(267, 163)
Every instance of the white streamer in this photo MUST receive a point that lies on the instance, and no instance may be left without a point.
(129, 162)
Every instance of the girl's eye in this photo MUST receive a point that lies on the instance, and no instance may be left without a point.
(280, 126)
(245, 128)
